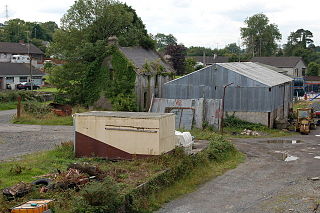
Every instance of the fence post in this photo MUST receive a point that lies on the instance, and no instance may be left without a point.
(19, 107)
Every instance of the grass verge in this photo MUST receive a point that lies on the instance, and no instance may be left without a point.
(48, 119)
(48, 89)
(8, 106)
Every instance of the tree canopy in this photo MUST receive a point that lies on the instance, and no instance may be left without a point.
(83, 42)
(162, 40)
(259, 36)
(16, 30)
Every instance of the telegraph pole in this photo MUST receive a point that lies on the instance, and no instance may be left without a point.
(30, 61)
(7, 13)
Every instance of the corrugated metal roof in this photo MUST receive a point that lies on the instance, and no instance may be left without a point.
(257, 72)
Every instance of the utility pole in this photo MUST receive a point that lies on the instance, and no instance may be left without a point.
(7, 13)
(30, 61)
(223, 97)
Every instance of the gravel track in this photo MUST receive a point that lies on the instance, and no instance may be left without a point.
(263, 183)
(20, 139)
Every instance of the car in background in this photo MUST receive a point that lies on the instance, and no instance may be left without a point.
(27, 86)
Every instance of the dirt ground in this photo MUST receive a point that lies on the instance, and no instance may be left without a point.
(19, 139)
(265, 182)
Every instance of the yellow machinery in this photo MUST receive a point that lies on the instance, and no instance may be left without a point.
(304, 120)
(33, 206)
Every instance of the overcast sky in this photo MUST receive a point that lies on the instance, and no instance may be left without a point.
(207, 23)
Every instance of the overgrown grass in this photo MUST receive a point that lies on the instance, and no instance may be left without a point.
(301, 104)
(48, 119)
(186, 173)
(48, 89)
(234, 126)
(8, 105)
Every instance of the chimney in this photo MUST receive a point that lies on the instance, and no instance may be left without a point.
(113, 40)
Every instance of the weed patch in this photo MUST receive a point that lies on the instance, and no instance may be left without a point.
(140, 185)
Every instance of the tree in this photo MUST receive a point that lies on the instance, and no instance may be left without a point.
(178, 54)
(198, 51)
(162, 40)
(232, 48)
(190, 64)
(260, 36)
(298, 39)
(89, 21)
(313, 69)
(82, 41)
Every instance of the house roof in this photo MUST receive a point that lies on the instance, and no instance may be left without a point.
(311, 78)
(139, 56)
(257, 72)
(15, 69)
(210, 59)
(18, 48)
(280, 62)
(279, 70)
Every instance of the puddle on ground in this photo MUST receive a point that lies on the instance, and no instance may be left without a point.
(284, 141)
(317, 157)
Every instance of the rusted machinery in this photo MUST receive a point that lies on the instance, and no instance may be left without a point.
(304, 120)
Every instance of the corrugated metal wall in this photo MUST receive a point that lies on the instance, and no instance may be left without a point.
(246, 95)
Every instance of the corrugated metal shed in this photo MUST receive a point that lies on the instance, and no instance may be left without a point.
(257, 72)
(255, 88)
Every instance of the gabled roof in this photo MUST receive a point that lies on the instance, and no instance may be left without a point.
(140, 56)
(19, 48)
(23, 69)
(210, 59)
(280, 62)
(311, 78)
(279, 70)
(257, 72)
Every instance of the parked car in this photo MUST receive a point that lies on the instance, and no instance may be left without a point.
(27, 86)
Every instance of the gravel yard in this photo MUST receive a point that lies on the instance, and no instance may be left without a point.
(17, 140)
(270, 180)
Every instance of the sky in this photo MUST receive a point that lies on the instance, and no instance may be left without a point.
(208, 23)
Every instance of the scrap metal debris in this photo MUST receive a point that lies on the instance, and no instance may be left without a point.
(18, 190)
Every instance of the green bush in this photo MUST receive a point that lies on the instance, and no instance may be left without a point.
(12, 96)
(219, 148)
(99, 197)
(234, 122)
(35, 108)
(124, 102)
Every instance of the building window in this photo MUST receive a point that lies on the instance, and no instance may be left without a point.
(303, 71)
(296, 72)
(23, 79)
(9, 80)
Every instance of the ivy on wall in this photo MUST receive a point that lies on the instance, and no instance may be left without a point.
(120, 84)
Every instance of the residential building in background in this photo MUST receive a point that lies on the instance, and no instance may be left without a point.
(294, 66)
(8, 49)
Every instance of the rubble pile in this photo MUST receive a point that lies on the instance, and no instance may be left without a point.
(250, 132)
(74, 177)
(18, 190)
